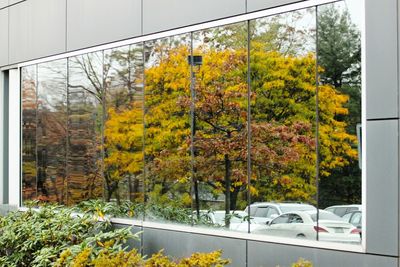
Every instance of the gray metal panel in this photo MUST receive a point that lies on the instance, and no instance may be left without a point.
(4, 37)
(381, 58)
(382, 193)
(93, 22)
(37, 29)
(3, 3)
(267, 254)
(159, 15)
(178, 244)
(253, 5)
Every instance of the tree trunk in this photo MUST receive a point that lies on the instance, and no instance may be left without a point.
(228, 166)
(234, 196)
(130, 188)
(109, 187)
(197, 199)
(117, 196)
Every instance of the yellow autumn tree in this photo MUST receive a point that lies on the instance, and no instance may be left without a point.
(123, 149)
(283, 126)
(167, 121)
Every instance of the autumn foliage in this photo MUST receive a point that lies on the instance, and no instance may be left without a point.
(283, 123)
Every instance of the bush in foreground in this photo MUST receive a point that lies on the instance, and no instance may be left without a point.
(55, 236)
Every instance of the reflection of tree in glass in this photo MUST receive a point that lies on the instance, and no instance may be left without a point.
(339, 46)
(123, 136)
(339, 56)
(221, 123)
(283, 115)
(167, 131)
(52, 131)
(29, 113)
(288, 33)
(283, 112)
(85, 125)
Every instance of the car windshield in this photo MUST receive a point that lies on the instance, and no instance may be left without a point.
(296, 207)
(325, 215)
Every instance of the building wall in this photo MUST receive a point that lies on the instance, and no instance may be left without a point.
(33, 29)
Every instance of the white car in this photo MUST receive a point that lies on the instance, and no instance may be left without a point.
(303, 224)
(341, 210)
(264, 212)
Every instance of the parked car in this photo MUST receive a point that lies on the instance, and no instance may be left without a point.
(263, 212)
(303, 224)
(354, 217)
(341, 210)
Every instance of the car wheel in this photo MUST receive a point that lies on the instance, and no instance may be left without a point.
(301, 236)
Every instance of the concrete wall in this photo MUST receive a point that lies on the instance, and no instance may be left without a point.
(33, 29)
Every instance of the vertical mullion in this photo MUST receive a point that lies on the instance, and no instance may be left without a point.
(143, 147)
(144, 135)
(317, 116)
(192, 133)
(102, 123)
(67, 137)
(248, 123)
(36, 128)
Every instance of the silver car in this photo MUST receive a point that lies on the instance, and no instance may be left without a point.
(303, 224)
(263, 212)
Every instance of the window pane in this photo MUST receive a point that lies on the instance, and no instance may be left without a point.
(85, 115)
(52, 131)
(167, 130)
(123, 126)
(339, 59)
(283, 113)
(220, 119)
(29, 125)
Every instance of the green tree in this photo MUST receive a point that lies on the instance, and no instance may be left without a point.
(167, 122)
(339, 47)
(339, 55)
(283, 105)
(123, 122)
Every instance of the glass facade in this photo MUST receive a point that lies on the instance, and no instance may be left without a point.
(85, 127)
(247, 127)
(52, 116)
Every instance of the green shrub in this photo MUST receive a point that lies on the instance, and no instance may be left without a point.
(37, 237)
(111, 243)
(55, 236)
